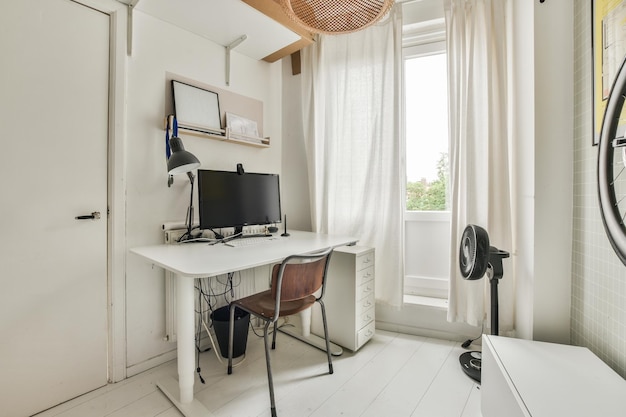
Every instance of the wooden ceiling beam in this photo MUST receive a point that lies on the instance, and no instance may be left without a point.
(272, 9)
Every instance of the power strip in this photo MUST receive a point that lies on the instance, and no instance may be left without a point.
(172, 236)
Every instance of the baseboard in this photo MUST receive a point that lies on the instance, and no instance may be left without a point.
(161, 359)
(150, 363)
(419, 331)
(423, 320)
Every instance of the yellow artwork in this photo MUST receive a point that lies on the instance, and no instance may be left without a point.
(609, 49)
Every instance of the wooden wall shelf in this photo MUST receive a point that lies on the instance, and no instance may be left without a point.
(226, 136)
(243, 106)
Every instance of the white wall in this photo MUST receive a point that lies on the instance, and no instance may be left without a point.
(524, 150)
(554, 134)
(159, 50)
(543, 125)
(296, 204)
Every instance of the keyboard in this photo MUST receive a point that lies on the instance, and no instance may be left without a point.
(248, 241)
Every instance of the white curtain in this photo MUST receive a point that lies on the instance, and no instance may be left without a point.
(350, 90)
(481, 171)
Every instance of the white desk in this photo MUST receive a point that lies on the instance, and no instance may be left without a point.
(197, 260)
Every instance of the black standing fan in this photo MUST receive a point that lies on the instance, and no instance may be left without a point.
(477, 258)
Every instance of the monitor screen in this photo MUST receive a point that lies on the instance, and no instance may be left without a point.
(229, 199)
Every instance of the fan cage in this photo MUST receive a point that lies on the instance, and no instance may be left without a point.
(335, 16)
(474, 252)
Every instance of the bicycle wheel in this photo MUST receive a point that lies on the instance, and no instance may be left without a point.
(612, 167)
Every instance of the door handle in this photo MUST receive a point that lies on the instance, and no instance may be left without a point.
(93, 216)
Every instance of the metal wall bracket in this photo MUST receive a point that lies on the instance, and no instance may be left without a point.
(129, 27)
(229, 48)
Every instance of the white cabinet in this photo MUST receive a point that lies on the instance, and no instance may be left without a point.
(349, 298)
(523, 378)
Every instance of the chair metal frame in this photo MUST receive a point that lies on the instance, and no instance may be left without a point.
(276, 292)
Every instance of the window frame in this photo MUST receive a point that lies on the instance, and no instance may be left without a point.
(420, 40)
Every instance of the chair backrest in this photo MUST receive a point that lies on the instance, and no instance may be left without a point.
(299, 276)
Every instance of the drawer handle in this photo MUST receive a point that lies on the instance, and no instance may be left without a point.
(369, 333)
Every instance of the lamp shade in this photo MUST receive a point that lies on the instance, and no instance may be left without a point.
(180, 160)
(336, 16)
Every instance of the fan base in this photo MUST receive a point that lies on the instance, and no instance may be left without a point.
(471, 363)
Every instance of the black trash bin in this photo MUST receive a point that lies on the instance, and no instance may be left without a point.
(220, 318)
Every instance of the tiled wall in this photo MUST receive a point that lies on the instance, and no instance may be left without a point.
(599, 278)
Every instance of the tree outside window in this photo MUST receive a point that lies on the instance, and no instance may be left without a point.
(427, 195)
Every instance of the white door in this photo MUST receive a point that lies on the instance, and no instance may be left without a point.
(54, 75)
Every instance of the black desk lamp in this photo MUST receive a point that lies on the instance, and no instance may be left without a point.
(180, 162)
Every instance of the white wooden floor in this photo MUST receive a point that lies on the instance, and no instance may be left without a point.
(392, 375)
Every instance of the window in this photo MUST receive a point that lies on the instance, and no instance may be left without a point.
(426, 127)
(427, 219)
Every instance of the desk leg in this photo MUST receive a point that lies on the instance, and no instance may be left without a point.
(185, 339)
(185, 323)
(305, 319)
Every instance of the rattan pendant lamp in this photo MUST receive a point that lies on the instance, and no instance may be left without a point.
(335, 16)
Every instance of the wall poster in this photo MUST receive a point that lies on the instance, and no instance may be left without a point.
(608, 48)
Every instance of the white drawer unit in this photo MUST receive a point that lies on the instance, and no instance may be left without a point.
(523, 378)
(349, 300)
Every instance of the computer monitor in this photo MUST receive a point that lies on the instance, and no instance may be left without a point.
(230, 199)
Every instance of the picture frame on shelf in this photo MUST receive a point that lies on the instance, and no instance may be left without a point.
(196, 108)
(241, 126)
